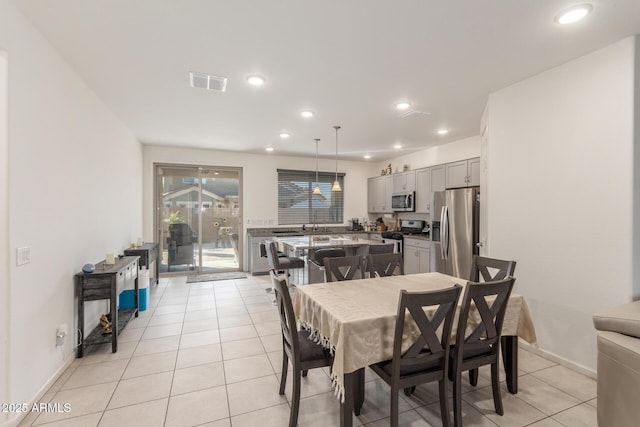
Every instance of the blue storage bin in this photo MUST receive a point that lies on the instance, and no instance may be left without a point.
(127, 300)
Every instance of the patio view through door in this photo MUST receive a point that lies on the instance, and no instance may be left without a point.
(199, 218)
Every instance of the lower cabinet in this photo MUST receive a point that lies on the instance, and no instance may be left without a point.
(417, 256)
(257, 264)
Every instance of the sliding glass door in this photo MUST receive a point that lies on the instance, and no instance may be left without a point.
(199, 218)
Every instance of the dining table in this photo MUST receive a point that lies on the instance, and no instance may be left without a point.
(355, 320)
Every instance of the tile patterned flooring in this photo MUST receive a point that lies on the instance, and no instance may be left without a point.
(209, 354)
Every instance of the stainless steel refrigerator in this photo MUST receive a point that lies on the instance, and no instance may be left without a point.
(459, 224)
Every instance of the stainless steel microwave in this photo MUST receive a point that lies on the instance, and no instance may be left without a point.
(403, 202)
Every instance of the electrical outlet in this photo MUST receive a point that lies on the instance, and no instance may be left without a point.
(61, 333)
(23, 256)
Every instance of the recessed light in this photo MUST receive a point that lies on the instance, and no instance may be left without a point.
(402, 105)
(397, 146)
(256, 80)
(367, 156)
(574, 14)
(284, 135)
(307, 114)
(269, 149)
(442, 131)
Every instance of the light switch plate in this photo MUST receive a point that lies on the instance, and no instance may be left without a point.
(23, 255)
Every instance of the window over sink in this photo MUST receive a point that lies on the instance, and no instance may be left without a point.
(298, 205)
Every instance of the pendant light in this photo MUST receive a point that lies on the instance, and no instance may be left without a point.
(336, 184)
(317, 189)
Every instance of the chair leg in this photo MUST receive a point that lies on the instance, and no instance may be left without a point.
(444, 403)
(457, 398)
(394, 407)
(495, 385)
(295, 398)
(473, 377)
(283, 375)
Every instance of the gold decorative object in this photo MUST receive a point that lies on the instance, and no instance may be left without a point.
(106, 324)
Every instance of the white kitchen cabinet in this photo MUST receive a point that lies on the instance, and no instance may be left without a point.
(404, 182)
(379, 190)
(438, 178)
(423, 190)
(417, 255)
(465, 173)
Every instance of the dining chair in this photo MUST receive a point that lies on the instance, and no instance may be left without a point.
(486, 304)
(297, 347)
(383, 265)
(338, 269)
(427, 357)
(490, 269)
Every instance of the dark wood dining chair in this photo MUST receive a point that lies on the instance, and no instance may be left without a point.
(490, 269)
(486, 302)
(338, 269)
(383, 265)
(485, 269)
(297, 348)
(427, 358)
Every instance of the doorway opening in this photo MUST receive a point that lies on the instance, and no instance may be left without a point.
(199, 218)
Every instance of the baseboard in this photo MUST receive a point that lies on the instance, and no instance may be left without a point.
(13, 422)
(558, 359)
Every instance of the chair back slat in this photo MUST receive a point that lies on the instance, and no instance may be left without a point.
(338, 269)
(432, 343)
(383, 265)
(485, 269)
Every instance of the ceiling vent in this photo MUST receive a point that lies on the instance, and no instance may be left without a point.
(413, 115)
(207, 81)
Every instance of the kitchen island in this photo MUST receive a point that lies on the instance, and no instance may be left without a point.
(305, 247)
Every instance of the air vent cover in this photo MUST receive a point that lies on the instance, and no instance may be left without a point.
(207, 81)
(413, 114)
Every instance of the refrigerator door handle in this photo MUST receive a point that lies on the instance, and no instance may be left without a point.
(444, 236)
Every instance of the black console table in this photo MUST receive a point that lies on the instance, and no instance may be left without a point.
(106, 282)
(148, 253)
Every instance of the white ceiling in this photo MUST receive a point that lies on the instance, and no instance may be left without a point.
(349, 61)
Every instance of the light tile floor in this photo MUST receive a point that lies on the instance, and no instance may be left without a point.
(209, 354)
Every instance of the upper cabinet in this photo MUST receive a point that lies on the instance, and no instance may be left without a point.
(465, 173)
(404, 182)
(379, 190)
(428, 181)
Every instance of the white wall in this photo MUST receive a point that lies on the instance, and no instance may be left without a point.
(4, 240)
(75, 183)
(461, 149)
(560, 180)
(260, 187)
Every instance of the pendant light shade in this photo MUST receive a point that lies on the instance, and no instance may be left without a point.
(336, 184)
(317, 189)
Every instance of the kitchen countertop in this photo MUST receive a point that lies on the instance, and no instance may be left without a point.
(284, 232)
(324, 241)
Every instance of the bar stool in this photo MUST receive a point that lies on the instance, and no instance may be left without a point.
(316, 263)
(282, 263)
